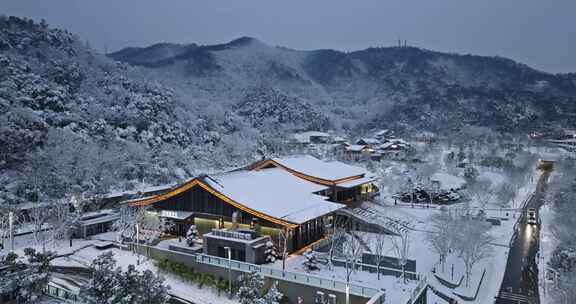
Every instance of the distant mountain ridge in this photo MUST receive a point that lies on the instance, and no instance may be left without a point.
(76, 123)
(375, 87)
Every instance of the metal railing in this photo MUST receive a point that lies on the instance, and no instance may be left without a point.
(418, 290)
(316, 281)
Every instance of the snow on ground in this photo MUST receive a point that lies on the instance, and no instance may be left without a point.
(419, 217)
(396, 290)
(178, 287)
(84, 253)
(448, 181)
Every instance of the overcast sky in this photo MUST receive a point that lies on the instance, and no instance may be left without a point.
(540, 33)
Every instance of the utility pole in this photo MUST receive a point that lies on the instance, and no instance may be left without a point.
(11, 229)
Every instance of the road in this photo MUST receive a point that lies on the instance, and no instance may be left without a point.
(520, 282)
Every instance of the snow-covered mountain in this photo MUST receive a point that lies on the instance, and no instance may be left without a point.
(375, 87)
(74, 122)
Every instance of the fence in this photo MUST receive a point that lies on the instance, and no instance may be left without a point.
(418, 290)
(311, 280)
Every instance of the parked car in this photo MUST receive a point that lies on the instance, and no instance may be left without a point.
(531, 216)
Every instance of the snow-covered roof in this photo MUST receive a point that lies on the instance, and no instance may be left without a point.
(304, 137)
(357, 182)
(148, 189)
(274, 192)
(399, 141)
(326, 170)
(97, 217)
(448, 181)
(388, 145)
(369, 141)
(355, 148)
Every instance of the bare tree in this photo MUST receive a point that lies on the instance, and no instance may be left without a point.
(39, 217)
(283, 241)
(59, 219)
(482, 192)
(352, 250)
(443, 235)
(151, 227)
(335, 234)
(473, 243)
(379, 242)
(401, 245)
(125, 226)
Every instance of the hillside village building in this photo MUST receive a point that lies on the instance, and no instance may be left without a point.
(296, 196)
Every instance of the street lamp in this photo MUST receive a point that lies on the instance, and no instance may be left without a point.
(229, 271)
(137, 244)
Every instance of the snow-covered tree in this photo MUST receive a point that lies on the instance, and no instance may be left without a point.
(336, 235)
(38, 274)
(250, 287)
(152, 289)
(191, 235)
(273, 296)
(39, 217)
(401, 245)
(103, 285)
(473, 243)
(443, 236)
(271, 252)
(135, 287)
(311, 263)
(151, 226)
(25, 280)
(379, 240)
(125, 226)
(110, 285)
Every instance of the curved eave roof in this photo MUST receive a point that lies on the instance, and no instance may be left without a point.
(315, 170)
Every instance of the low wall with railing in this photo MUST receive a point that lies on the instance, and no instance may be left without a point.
(293, 285)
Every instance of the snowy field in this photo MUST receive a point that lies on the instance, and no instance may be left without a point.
(83, 253)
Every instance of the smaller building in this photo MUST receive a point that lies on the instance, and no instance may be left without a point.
(311, 137)
(244, 245)
(392, 150)
(369, 142)
(94, 223)
(357, 152)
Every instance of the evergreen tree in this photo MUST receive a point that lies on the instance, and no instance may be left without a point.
(129, 286)
(311, 263)
(191, 235)
(152, 289)
(110, 285)
(37, 274)
(271, 252)
(273, 296)
(104, 285)
(250, 288)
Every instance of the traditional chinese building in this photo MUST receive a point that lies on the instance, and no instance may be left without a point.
(294, 196)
